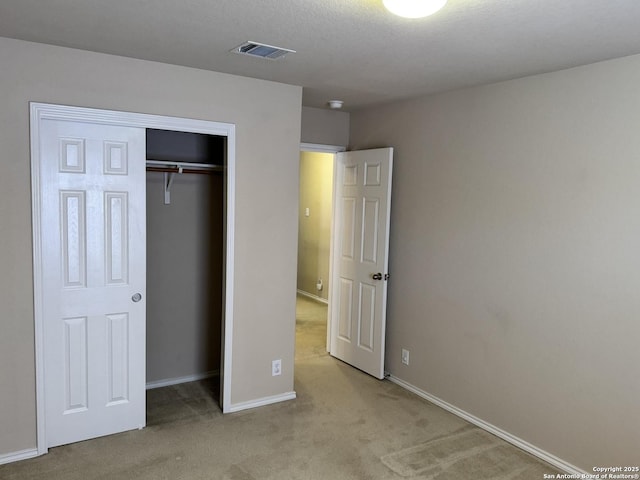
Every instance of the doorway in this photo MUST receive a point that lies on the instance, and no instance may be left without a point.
(185, 225)
(314, 224)
(42, 116)
(358, 258)
(315, 218)
(314, 242)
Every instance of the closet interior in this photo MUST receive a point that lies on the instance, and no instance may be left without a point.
(185, 256)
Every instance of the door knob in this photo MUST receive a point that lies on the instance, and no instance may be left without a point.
(136, 297)
(377, 276)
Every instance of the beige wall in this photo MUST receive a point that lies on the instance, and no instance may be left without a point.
(515, 254)
(184, 275)
(267, 162)
(325, 127)
(314, 231)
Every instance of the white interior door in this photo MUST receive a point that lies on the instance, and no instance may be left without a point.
(362, 205)
(93, 238)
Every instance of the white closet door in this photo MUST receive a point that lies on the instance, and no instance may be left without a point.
(94, 267)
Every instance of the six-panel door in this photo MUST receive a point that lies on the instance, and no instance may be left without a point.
(362, 202)
(93, 250)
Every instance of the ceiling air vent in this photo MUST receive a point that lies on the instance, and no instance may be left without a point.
(262, 50)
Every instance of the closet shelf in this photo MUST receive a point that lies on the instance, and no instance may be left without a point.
(183, 167)
(171, 168)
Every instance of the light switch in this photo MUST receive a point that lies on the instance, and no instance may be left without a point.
(306, 212)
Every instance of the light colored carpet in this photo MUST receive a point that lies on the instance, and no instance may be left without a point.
(343, 425)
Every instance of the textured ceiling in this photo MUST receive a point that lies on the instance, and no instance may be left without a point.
(352, 50)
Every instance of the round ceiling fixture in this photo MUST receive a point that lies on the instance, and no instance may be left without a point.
(414, 8)
(335, 104)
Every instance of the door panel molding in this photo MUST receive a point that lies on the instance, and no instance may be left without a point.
(117, 165)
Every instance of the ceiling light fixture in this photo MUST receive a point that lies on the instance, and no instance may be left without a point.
(414, 8)
(335, 104)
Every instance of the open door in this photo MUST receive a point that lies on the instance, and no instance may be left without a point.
(360, 257)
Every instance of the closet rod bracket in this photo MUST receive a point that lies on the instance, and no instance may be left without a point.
(171, 168)
(168, 180)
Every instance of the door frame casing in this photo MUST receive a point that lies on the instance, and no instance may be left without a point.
(332, 149)
(44, 111)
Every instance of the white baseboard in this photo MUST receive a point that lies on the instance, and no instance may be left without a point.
(175, 381)
(17, 456)
(498, 432)
(260, 402)
(313, 297)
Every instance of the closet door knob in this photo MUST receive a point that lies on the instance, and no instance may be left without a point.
(136, 297)
(377, 276)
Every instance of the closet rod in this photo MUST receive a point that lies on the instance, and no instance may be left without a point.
(205, 171)
(182, 167)
(171, 168)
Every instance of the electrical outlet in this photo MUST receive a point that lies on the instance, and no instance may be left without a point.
(405, 357)
(276, 368)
